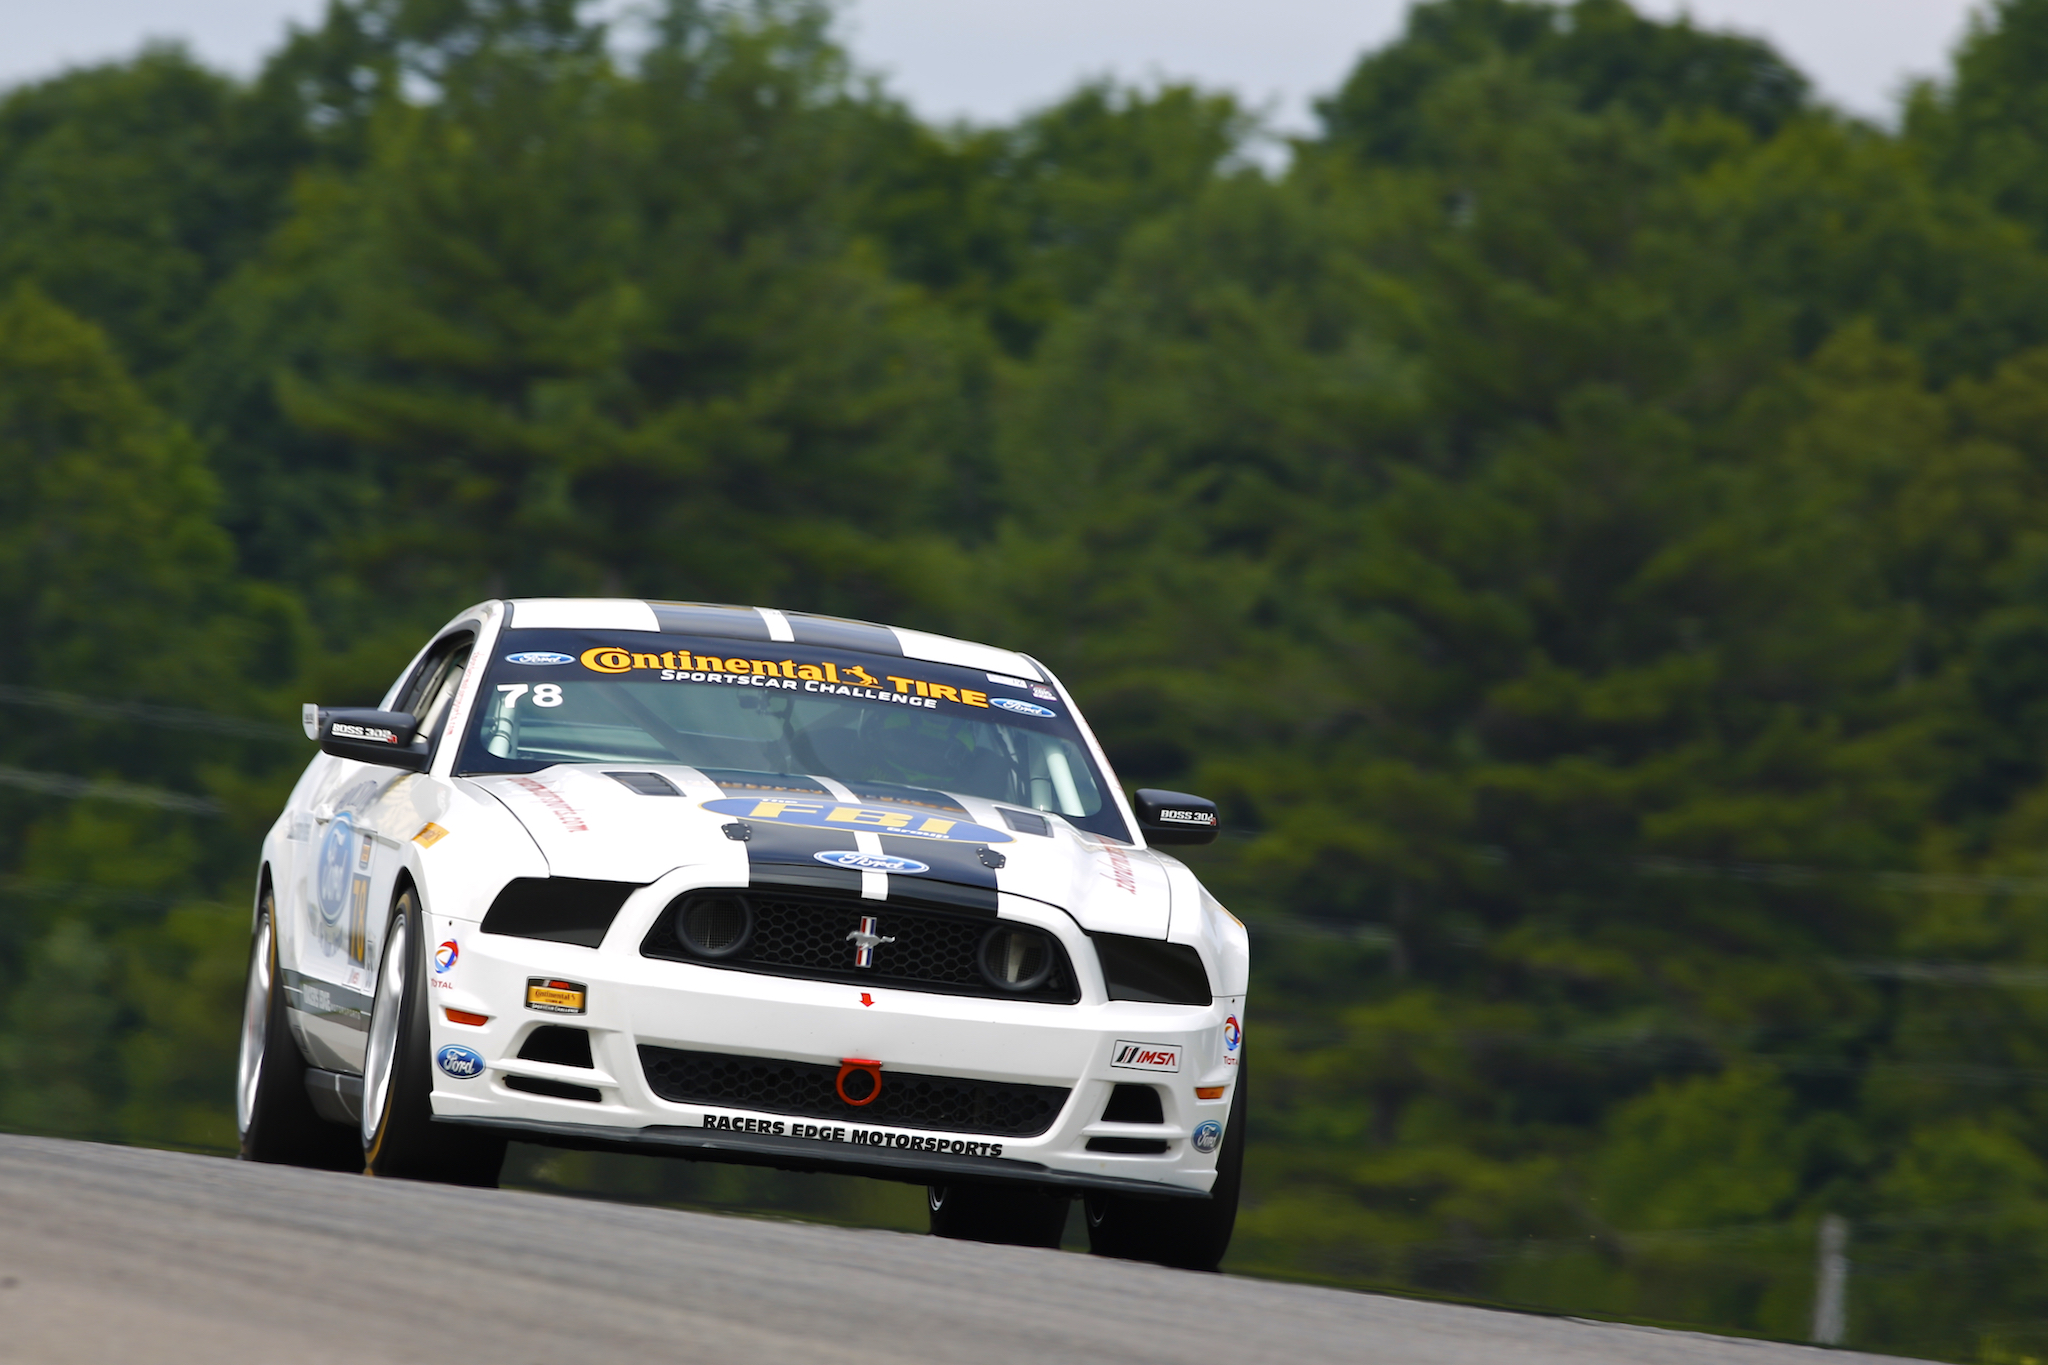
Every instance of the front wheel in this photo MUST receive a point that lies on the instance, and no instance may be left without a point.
(274, 1116)
(1018, 1217)
(400, 1137)
(1182, 1233)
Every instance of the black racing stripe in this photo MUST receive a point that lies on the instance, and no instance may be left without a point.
(780, 855)
(907, 796)
(738, 780)
(957, 876)
(702, 618)
(831, 632)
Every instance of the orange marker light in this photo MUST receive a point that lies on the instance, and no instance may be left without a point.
(465, 1017)
(1208, 1092)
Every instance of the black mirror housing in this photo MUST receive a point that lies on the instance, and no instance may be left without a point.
(1175, 817)
(366, 735)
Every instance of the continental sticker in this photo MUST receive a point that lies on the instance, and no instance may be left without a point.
(824, 678)
(911, 824)
(551, 996)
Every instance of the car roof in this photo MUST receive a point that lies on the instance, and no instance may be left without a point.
(763, 624)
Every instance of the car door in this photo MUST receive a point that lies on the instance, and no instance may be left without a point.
(361, 815)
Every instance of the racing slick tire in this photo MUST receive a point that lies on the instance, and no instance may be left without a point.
(400, 1138)
(1182, 1233)
(1018, 1217)
(274, 1116)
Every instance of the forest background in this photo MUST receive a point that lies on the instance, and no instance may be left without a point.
(1583, 513)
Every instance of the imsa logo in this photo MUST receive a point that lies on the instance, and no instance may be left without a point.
(1145, 1056)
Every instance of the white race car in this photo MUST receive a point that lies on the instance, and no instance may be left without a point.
(745, 885)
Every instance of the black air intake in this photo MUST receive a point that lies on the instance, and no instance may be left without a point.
(558, 909)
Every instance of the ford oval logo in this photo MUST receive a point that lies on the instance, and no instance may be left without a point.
(539, 656)
(1208, 1136)
(870, 862)
(1022, 708)
(464, 1064)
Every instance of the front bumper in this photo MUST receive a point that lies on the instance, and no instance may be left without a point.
(632, 1000)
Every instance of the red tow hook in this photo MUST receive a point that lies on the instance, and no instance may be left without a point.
(859, 1066)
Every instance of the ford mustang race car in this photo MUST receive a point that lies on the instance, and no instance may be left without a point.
(745, 885)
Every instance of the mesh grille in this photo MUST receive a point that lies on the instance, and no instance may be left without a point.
(807, 1089)
(805, 934)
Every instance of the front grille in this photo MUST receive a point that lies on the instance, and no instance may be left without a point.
(802, 933)
(948, 1104)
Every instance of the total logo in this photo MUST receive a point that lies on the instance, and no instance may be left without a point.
(1232, 1036)
(870, 862)
(1145, 1056)
(1022, 708)
(445, 955)
(539, 656)
(1208, 1136)
(463, 1063)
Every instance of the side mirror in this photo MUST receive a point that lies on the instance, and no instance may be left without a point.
(366, 735)
(1176, 817)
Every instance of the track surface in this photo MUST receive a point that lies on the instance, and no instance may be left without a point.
(114, 1254)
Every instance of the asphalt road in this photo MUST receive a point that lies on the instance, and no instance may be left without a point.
(113, 1254)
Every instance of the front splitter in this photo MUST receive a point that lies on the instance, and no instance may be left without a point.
(799, 1154)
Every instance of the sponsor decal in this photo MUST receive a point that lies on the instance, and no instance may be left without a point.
(1120, 868)
(337, 849)
(540, 657)
(824, 677)
(463, 1063)
(1044, 693)
(1170, 816)
(1145, 1056)
(551, 996)
(865, 940)
(1208, 1136)
(1232, 1034)
(1023, 708)
(871, 862)
(571, 818)
(858, 1137)
(445, 955)
(342, 729)
(429, 835)
(1004, 680)
(840, 816)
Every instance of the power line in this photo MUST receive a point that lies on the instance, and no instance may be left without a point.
(102, 789)
(175, 717)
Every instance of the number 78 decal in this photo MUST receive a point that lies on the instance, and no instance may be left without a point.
(547, 694)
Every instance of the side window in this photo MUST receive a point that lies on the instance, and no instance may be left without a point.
(433, 687)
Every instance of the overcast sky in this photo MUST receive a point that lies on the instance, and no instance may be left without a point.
(988, 60)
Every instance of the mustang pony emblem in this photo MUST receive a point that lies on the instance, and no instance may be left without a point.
(865, 940)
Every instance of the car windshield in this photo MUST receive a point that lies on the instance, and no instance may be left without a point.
(723, 706)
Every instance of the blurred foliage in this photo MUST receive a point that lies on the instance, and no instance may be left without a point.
(1585, 518)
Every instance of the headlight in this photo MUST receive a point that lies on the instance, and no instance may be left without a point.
(715, 926)
(1014, 959)
(1147, 969)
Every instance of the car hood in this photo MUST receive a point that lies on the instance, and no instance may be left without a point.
(636, 825)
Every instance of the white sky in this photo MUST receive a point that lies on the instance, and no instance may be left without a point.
(989, 61)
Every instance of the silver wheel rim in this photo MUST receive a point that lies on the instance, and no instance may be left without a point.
(255, 1026)
(382, 1054)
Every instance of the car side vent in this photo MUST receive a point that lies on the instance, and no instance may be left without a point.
(1026, 822)
(1128, 1146)
(1149, 970)
(557, 1090)
(647, 784)
(571, 1047)
(1128, 1104)
(558, 909)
